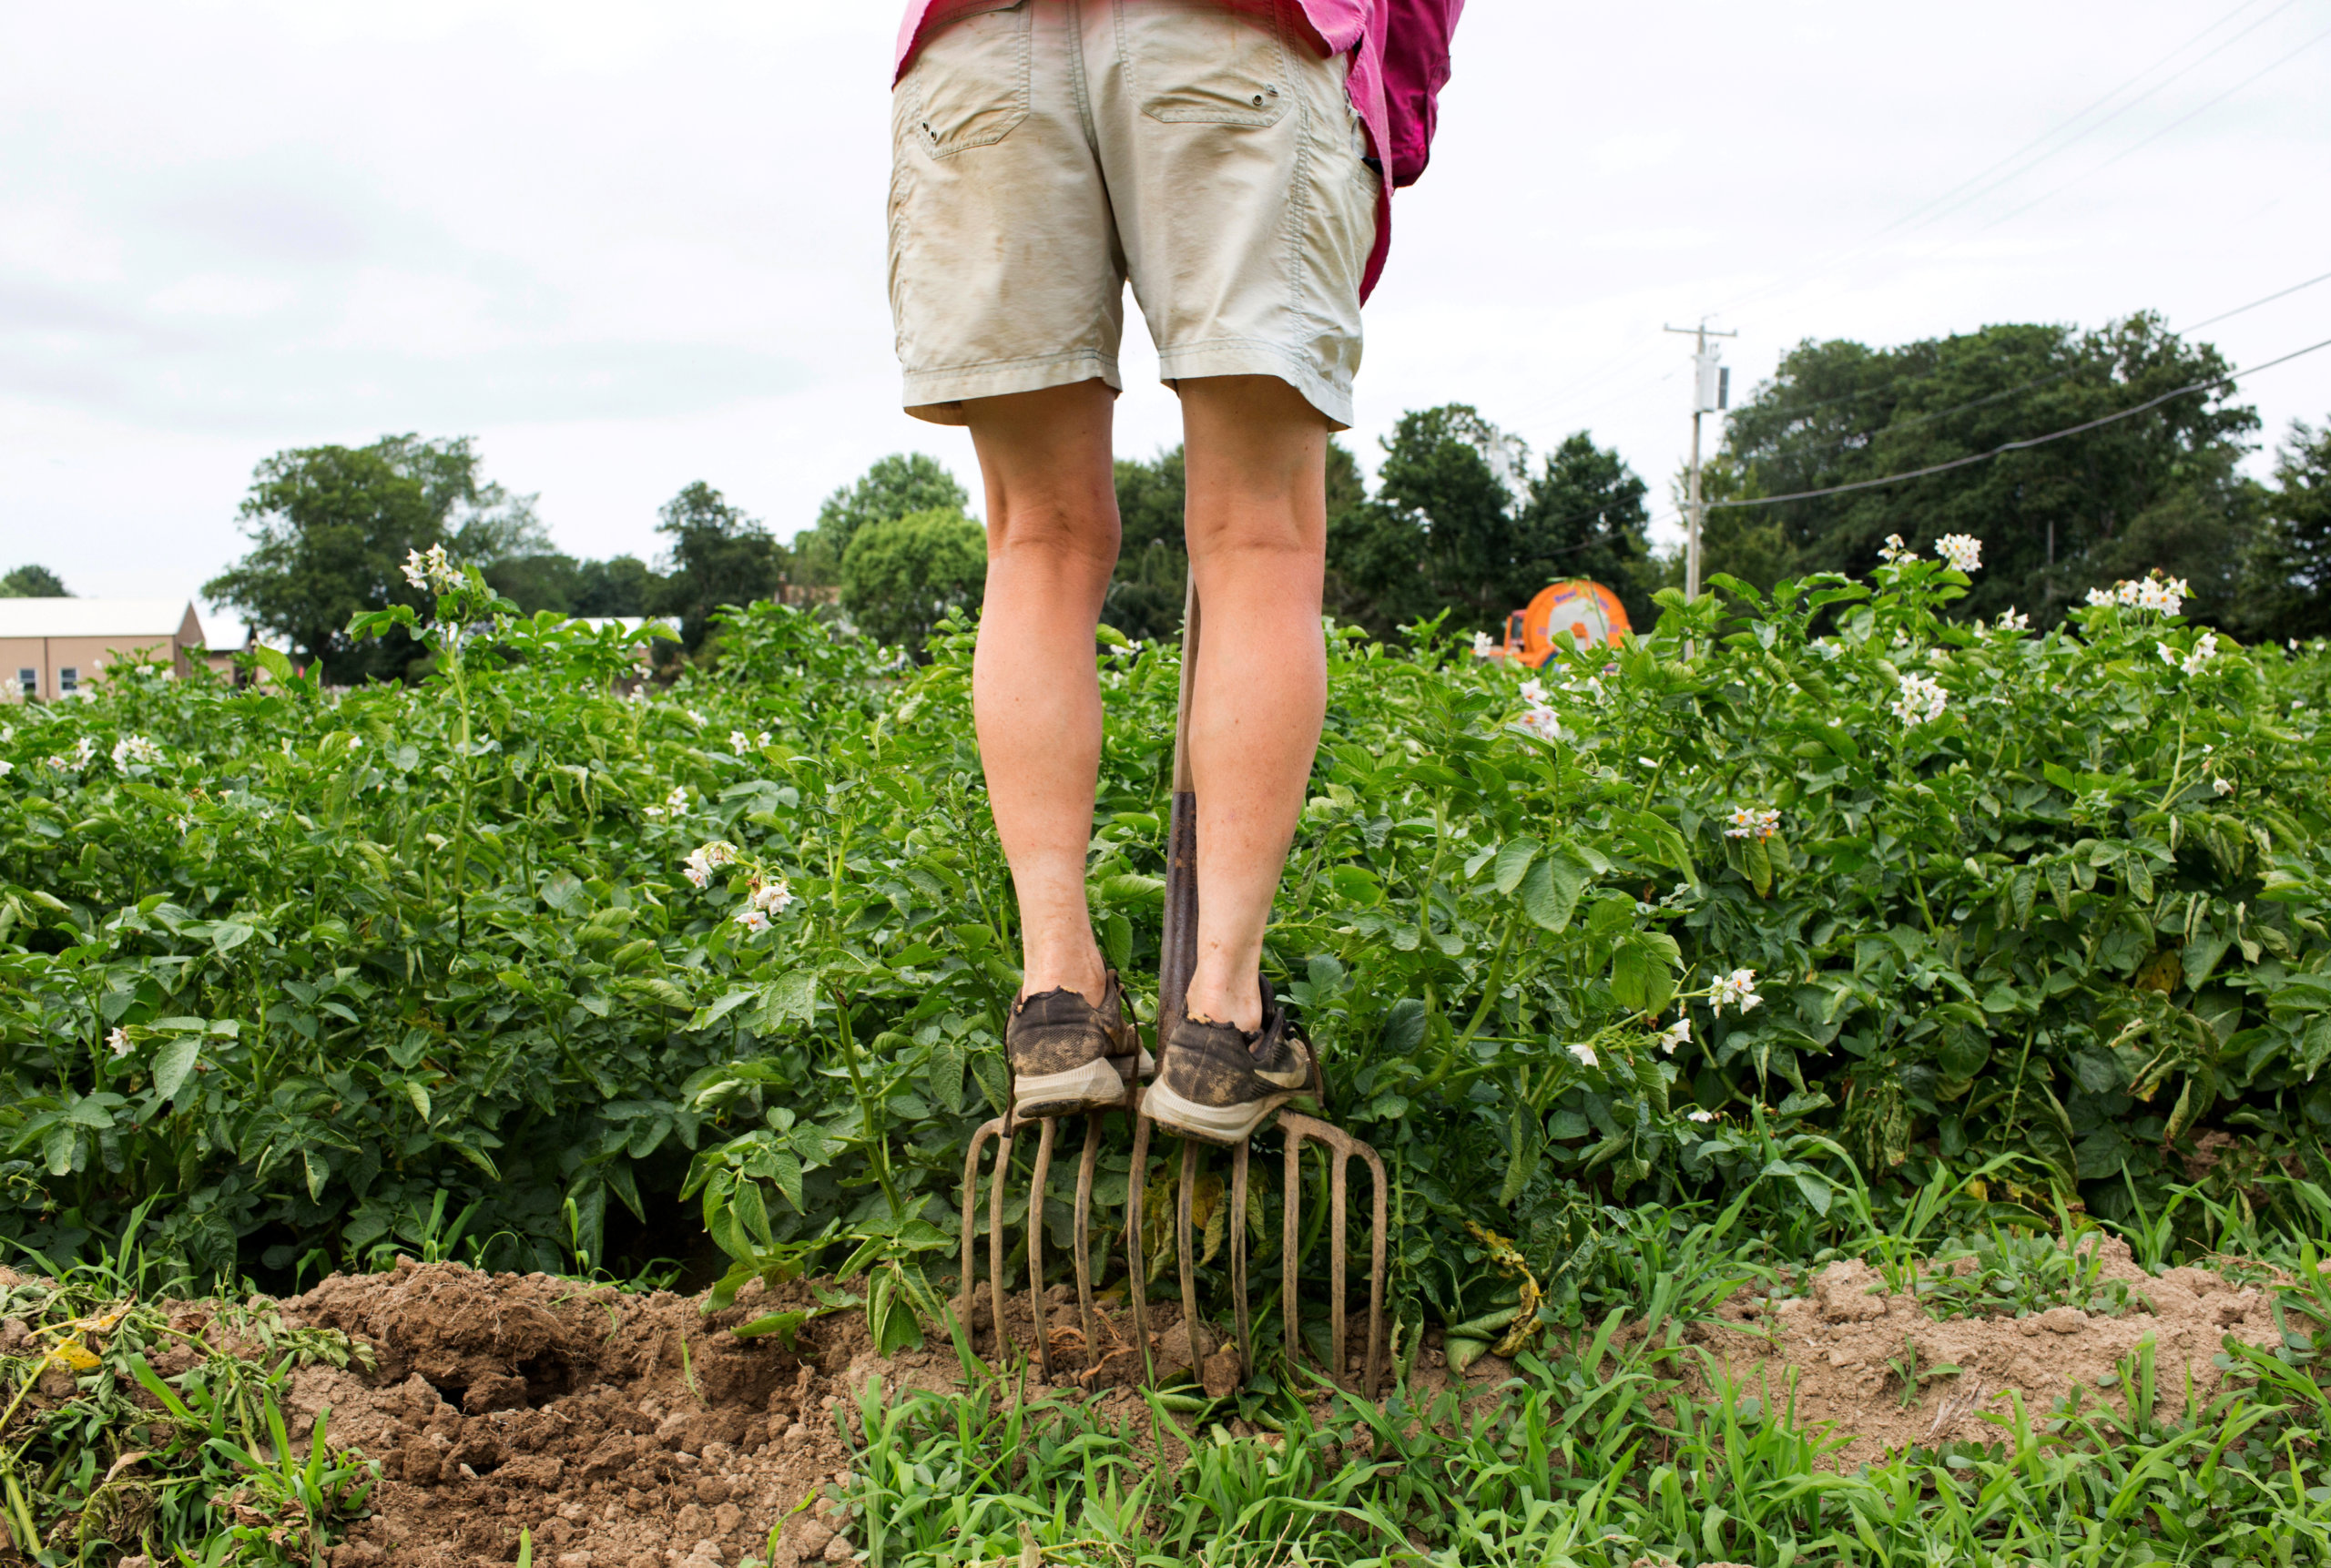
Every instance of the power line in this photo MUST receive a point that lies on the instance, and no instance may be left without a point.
(1929, 207)
(2226, 315)
(2147, 141)
(2019, 445)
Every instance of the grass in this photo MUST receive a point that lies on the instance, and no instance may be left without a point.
(102, 1456)
(1596, 1453)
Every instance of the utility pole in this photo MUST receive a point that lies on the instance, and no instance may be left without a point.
(1711, 394)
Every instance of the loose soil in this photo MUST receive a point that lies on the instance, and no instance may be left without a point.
(1830, 1351)
(631, 1431)
(636, 1431)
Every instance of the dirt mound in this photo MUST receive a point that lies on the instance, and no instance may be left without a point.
(636, 1431)
(625, 1430)
(1843, 1349)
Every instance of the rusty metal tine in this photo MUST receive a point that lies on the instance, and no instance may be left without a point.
(1376, 1280)
(1185, 1243)
(995, 1241)
(1238, 1256)
(1137, 1265)
(1338, 1242)
(1036, 1250)
(1084, 1232)
(987, 1130)
(1290, 1237)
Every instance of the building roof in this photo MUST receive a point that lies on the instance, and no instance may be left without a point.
(133, 620)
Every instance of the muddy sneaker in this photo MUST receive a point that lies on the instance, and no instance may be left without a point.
(1068, 1055)
(1216, 1083)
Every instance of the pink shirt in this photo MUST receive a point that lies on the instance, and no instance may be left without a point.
(1399, 61)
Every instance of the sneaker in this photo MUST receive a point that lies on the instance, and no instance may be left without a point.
(1217, 1082)
(1068, 1055)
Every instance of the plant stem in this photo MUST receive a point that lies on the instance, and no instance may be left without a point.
(866, 1108)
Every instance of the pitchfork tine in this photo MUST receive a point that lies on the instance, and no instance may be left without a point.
(1037, 1250)
(1136, 1265)
(1238, 1256)
(1084, 1231)
(996, 1240)
(965, 1256)
(1341, 1147)
(1185, 1243)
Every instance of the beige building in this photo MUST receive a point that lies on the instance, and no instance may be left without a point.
(51, 648)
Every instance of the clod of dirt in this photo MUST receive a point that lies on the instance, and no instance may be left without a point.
(1844, 1346)
(1845, 1293)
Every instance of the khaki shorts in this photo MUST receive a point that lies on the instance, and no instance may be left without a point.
(1045, 151)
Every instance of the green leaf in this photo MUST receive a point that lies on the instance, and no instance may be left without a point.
(1512, 861)
(1550, 888)
(1642, 971)
(173, 1061)
(791, 997)
(1117, 939)
(418, 1092)
(706, 1017)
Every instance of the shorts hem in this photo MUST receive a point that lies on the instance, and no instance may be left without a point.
(937, 397)
(1248, 356)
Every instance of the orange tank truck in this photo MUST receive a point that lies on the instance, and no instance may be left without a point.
(1590, 612)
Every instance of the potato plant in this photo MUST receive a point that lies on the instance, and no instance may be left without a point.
(1795, 897)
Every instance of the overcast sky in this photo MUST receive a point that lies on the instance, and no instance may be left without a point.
(630, 246)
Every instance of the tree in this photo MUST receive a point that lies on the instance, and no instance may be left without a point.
(1461, 524)
(330, 527)
(2292, 596)
(718, 558)
(894, 487)
(2157, 489)
(903, 574)
(1146, 589)
(33, 581)
(622, 585)
(1586, 516)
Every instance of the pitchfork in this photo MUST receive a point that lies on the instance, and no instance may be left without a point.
(1175, 963)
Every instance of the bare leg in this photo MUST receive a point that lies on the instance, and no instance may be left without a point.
(1052, 542)
(1256, 455)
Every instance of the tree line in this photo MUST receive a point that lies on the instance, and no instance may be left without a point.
(1463, 521)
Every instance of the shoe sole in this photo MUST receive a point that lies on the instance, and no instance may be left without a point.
(1097, 1086)
(1224, 1125)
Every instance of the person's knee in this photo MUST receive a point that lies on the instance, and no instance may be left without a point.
(1056, 530)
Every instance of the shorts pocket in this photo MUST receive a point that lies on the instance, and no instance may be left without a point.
(970, 79)
(1199, 62)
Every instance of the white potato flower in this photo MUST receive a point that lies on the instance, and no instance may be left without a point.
(1736, 989)
(2223, 785)
(1585, 1054)
(136, 748)
(1699, 1116)
(2013, 622)
(431, 572)
(1964, 552)
(2205, 648)
(772, 897)
(118, 1043)
(751, 919)
(707, 859)
(1674, 1034)
(1747, 821)
(1894, 552)
(1482, 646)
(1922, 699)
